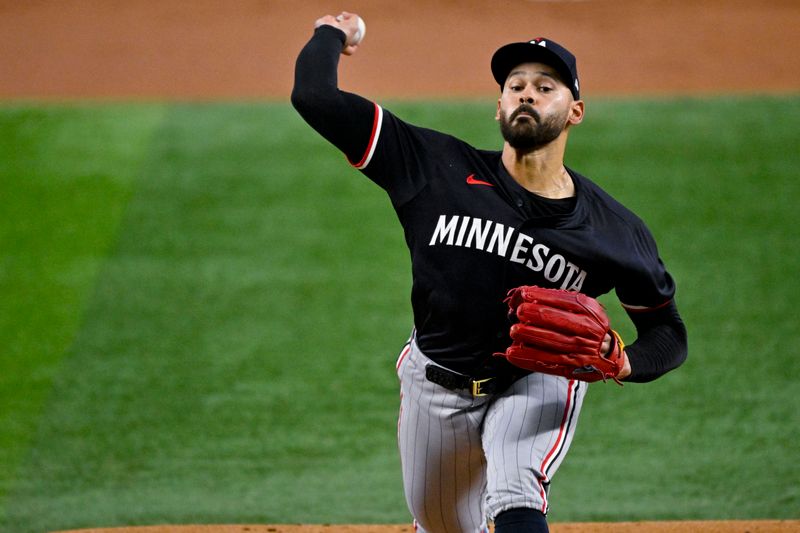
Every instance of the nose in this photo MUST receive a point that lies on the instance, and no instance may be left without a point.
(526, 98)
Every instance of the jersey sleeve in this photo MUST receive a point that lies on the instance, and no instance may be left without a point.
(647, 292)
(661, 344)
(344, 119)
(400, 156)
(644, 283)
(391, 152)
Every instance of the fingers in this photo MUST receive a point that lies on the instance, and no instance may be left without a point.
(345, 21)
(343, 16)
(328, 20)
(605, 347)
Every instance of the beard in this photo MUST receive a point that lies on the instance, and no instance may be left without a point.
(531, 134)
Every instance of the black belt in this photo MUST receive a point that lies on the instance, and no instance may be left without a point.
(455, 381)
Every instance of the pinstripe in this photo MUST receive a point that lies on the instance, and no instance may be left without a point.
(467, 458)
(455, 488)
(520, 451)
(428, 443)
(534, 422)
(569, 411)
(443, 465)
(440, 481)
(477, 471)
(551, 462)
(541, 425)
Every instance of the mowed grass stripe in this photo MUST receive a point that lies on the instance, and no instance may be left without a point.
(236, 365)
(66, 174)
(219, 373)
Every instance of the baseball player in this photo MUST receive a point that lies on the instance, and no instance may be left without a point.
(509, 248)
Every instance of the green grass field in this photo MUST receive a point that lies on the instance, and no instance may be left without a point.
(200, 307)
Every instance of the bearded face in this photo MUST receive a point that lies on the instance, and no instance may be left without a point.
(525, 129)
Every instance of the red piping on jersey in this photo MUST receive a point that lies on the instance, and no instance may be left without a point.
(559, 444)
(642, 309)
(373, 138)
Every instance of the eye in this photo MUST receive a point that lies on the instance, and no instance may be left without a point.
(545, 89)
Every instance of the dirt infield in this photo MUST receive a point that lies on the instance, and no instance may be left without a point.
(758, 526)
(156, 49)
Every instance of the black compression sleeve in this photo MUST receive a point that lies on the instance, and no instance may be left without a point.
(343, 118)
(661, 344)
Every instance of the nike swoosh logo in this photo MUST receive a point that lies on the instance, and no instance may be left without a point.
(472, 181)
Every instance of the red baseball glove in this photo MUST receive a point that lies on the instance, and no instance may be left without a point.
(561, 332)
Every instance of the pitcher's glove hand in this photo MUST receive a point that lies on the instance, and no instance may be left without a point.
(561, 332)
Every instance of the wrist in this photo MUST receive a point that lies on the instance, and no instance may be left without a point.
(617, 351)
(626, 367)
(327, 27)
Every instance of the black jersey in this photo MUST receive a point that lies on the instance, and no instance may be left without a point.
(474, 233)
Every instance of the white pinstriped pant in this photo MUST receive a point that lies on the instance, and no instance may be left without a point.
(465, 459)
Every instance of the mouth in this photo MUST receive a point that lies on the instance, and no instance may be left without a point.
(525, 112)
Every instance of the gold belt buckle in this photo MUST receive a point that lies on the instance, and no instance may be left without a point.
(476, 386)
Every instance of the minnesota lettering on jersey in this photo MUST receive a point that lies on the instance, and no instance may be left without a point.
(505, 241)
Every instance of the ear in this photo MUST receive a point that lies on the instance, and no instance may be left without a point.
(576, 113)
(497, 113)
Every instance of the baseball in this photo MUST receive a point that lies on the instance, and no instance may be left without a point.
(362, 30)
